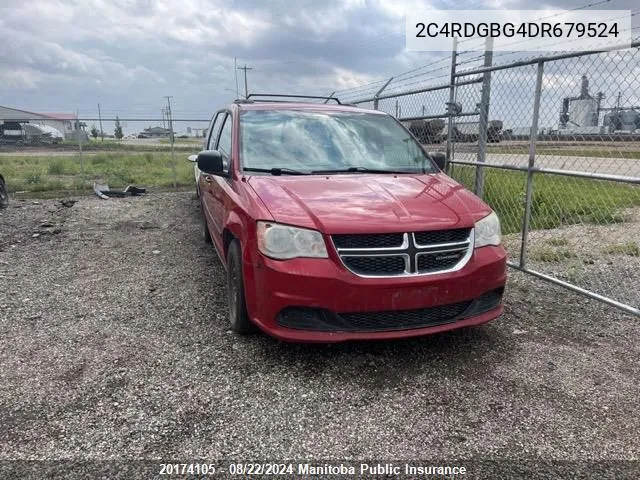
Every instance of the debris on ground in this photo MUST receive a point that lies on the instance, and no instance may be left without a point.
(103, 191)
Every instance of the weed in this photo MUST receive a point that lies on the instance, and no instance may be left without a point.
(630, 248)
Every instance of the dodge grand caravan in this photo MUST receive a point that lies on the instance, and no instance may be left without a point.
(335, 224)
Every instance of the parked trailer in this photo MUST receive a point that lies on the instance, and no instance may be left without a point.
(24, 133)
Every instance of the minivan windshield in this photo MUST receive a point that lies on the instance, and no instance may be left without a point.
(303, 141)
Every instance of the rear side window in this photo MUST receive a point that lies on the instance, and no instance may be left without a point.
(224, 144)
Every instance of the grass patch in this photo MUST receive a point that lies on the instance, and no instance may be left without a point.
(545, 254)
(557, 200)
(558, 242)
(630, 248)
(42, 173)
(115, 146)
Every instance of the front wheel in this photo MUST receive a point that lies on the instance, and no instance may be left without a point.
(238, 316)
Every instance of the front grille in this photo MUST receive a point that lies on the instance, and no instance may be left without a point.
(381, 240)
(375, 265)
(433, 262)
(411, 253)
(442, 236)
(305, 318)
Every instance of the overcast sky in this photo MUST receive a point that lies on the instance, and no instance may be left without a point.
(127, 54)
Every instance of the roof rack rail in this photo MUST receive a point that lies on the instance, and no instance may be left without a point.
(277, 95)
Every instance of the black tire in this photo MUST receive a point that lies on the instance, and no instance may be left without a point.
(238, 316)
(4, 195)
(204, 229)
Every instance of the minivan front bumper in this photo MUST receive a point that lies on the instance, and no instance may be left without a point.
(318, 300)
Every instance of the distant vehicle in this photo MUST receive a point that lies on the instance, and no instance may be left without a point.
(335, 224)
(4, 194)
(12, 133)
(142, 135)
(24, 133)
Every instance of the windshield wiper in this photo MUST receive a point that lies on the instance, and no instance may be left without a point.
(362, 170)
(275, 171)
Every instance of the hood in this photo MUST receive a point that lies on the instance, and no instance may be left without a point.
(362, 203)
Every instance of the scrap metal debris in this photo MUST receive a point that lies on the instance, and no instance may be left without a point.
(103, 191)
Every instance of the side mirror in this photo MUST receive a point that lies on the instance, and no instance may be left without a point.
(439, 158)
(210, 161)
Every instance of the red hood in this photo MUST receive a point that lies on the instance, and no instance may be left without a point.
(369, 203)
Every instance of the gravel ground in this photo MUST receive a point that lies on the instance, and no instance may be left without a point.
(114, 344)
(604, 259)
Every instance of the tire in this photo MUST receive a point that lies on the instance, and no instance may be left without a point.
(204, 229)
(238, 316)
(4, 195)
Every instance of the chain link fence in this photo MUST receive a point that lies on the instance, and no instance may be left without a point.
(552, 143)
(148, 155)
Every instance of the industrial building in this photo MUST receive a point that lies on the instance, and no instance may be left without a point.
(65, 123)
(580, 115)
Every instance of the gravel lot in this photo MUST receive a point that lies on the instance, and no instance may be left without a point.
(114, 344)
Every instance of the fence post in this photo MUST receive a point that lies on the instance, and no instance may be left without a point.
(375, 97)
(485, 100)
(533, 136)
(452, 99)
(78, 133)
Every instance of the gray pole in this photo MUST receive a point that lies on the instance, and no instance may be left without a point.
(235, 67)
(533, 136)
(78, 132)
(375, 97)
(452, 99)
(484, 117)
(100, 117)
(173, 154)
(246, 88)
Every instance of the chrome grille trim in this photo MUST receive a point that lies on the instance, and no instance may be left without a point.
(410, 248)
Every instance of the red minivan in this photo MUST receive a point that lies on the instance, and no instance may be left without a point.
(335, 224)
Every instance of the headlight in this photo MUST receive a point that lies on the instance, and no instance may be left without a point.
(284, 242)
(487, 231)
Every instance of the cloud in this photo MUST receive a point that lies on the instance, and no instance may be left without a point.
(127, 54)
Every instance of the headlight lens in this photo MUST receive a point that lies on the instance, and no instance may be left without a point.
(487, 231)
(285, 242)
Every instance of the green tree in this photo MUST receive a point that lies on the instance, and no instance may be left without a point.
(94, 132)
(118, 130)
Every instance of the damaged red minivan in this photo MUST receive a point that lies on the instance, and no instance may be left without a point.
(335, 224)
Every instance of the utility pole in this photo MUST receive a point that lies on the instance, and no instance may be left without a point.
(100, 118)
(235, 68)
(163, 124)
(173, 155)
(246, 89)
